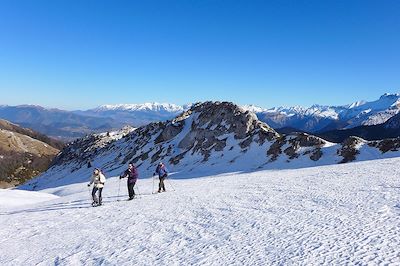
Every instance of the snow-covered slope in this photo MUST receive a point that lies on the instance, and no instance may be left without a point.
(346, 214)
(393, 123)
(389, 129)
(11, 198)
(322, 118)
(211, 137)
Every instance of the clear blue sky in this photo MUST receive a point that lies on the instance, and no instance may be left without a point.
(80, 54)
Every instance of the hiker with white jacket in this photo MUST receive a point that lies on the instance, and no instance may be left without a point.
(98, 180)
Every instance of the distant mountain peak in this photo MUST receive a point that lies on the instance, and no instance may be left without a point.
(253, 108)
(390, 95)
(319, 118)
(355, 104)
(154, 106)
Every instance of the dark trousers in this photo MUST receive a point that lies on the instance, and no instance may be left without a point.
(161, 186)
(95, 189)
(131, 191)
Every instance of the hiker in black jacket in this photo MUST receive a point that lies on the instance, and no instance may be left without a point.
(132, 174)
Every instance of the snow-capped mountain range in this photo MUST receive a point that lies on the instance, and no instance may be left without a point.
(210, 137)
(257, 196)
(319, 118)
(147, 107)
(136, 114)
(69, 125)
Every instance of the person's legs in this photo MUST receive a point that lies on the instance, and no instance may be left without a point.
(94, 194)
(161, 186)
(131, 191)
(100, 197)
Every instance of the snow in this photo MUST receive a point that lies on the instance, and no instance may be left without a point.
(108, 152)
(356, 104)
(167, 107)
(253, 108)
(13, 198)
(333, 215)
(355, 114)
(386, 101)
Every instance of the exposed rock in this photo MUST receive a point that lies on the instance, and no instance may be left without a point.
(276, 149)
(316, 155)
(306, 140)
(170, 131)
(349, 149)
(291, 151)
(387, 145)
(211, 135)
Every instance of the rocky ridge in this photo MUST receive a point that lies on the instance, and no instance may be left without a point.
(215, 137)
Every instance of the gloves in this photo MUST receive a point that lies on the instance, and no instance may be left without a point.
(88, 185)
(120, 177)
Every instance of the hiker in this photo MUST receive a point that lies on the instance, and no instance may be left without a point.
(132, 174)
(98, 180)
(162, 174)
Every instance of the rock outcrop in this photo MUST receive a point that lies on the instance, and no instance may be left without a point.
(209, 137)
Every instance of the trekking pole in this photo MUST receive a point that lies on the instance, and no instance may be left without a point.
(170, 184)
(152, 191)
(138, 191)
(90, 194)
(119, 188)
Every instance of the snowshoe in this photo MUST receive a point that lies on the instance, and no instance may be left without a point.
(96, 204)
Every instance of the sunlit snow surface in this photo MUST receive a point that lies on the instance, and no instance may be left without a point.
(333, 215)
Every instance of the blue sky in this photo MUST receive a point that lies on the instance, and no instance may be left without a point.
(81, 54)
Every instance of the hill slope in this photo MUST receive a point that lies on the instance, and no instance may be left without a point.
(21, 155)
(211, 137)
(56, 123)
(345, 214)
(6, 125)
